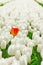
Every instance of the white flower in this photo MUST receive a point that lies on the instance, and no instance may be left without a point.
(14, 40)
(37, 39)
(18, 46)
(7, 36)
(40, 47)
(16, 62)
(24, 32)
(30, 43)
(24, 15)
(1, 23)
(20, 34)
(41, 62)
(3, 44)
(1, 38)
(3, 62)
(4, 1)
(12, 50)
(28, 55)
(10, 60)
(17, 54)
(26, 49)
(21, 49)
(23, 60)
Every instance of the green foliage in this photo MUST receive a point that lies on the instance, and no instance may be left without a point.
(39, 3)
(36, 57)
(30, 35)
(5, 51)
(1, 4)
(8, 45)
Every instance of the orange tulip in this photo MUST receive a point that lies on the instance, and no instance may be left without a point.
(14, 31)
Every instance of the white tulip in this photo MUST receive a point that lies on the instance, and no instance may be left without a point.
(40, 46)
(23, 60)
(28, 55)
(10, 60)
(3, 44)
(16, 62)
(11, 50)
(17, 54)
(41, 62)
(3, 62)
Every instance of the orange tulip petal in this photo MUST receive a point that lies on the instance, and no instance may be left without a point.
(14, 31)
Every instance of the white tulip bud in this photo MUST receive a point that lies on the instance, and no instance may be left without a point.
(18, 54)
(10, 60)
(11, 50)
(16, 62)
(42, 63)
(23, 60)
(28, 55)
(3, 44)
(3, 62)
(40, 46)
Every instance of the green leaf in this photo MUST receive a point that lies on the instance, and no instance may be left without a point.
(1, 4)
(36, 57)
(39, 3)
(5, 51)
(30, 35)
(8, 45)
